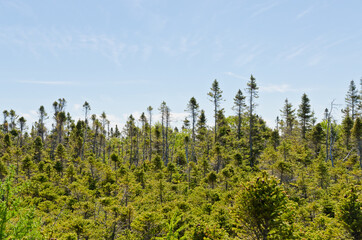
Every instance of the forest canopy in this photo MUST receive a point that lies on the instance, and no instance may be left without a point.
(229, 177)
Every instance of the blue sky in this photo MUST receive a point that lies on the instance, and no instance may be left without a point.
(122, 56)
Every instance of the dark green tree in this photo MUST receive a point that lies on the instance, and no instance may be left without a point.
(86, 108)
(252, 90)
(352, 99)
(347, 125)
(357, 135)
(22, 127)
(317, 136)
(201, 126)
(193, 109)
(259, 207)
(38, 147)
(215, 95)
(6, 124)
(305, 115)
(239, 104)
(149, 109)
(350, 213)
(289, 116)
(42, 117)
(211, 179)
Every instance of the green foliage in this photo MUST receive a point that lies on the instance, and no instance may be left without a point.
(238, 179)
(17, 220)
(259, 207)
(350, 213)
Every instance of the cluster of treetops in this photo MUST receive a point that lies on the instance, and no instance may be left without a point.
(237, 179)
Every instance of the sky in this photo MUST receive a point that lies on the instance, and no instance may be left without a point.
(123, 56)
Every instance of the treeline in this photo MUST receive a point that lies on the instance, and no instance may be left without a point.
(238, 179)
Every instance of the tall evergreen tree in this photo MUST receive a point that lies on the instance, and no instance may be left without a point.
(149, 109)
(305, 115)
(357, 135)
(167, 128)
(22, 126)
(193, 109)
(289, 116)
(347, 125)
(352, 99)
(13, 118)
(86, 108)
(252, 90)
(239, 104)
(165, 120)
(143, 120)
(130, 129)
(42, 117)
(216, 97)
(5, 124)
(201, 126)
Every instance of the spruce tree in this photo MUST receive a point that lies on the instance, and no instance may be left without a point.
(149, 109)
(289, 116)
(42, 117)
(357, 135)
(86, 108)
(216, 97)
(201, 126)
(252, 90)
(347, 125)
(350, 213)
(239, 104)
(305, 115)
(258, 209)
(22, 126)
(193, 109)
(352, 99)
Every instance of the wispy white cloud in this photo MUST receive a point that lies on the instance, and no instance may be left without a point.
(107, 46)
(262, 8)
(147, 52)
(77, 106)
(282, 88)
(231, 74)
(178, 117)
(248, 55)
(315, 60)
(130, 82)
(56, 41)
(296, 52)
(31, 117)
(184, 45)
(339, 41)
(305, 12)
(47, 82)
(19, 6)
(115, 120)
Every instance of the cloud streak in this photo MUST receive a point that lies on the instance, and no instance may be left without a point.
(56, 41)
(296, 52)
(262, 8)
(57, 83)
(305, 12)
(282, 88)
(231, 74)
(249, 55)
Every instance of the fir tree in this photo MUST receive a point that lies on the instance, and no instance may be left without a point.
(215, 95)
(305, 115)
(252, 90)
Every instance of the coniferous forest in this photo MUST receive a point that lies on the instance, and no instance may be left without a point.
(226, 177)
